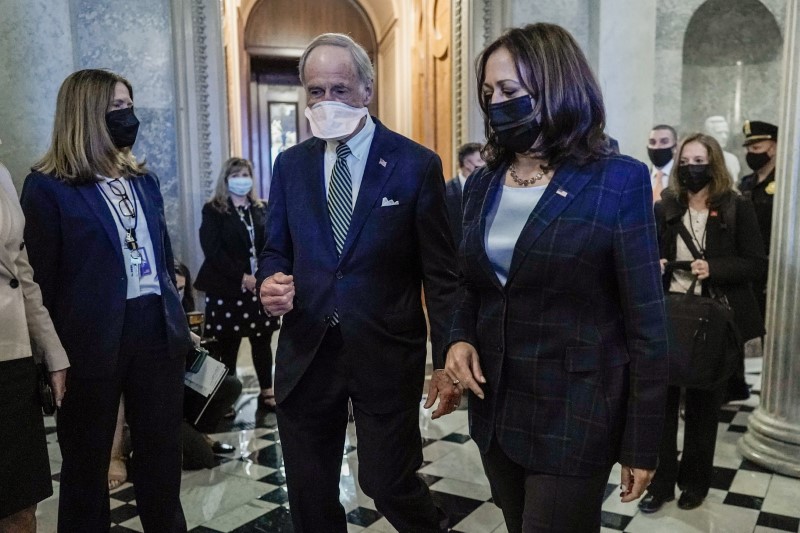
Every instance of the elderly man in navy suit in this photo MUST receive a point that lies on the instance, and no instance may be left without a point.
(357, 225)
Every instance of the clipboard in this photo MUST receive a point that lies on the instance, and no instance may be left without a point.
(201, 386)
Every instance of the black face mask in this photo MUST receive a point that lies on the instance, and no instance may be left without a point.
(757, 161)
(693, 177)
(122, 125)
(660, 156)
(514, 124)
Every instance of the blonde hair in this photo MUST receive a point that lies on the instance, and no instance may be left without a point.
(81, 146)
(219, 200)
(720, 183)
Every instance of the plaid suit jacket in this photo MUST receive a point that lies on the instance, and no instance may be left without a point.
(574, 346)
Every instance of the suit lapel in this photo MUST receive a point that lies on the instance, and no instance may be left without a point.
(98, 205)
(568, 181)
(317, 195)
(147, 207)
(379, 167)
(496, 181)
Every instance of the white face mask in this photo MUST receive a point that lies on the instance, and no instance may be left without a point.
(333, 121)
(239, 186)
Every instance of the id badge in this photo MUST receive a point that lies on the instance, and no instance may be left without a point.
(144, 267)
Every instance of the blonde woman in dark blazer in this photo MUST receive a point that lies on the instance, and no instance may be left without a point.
(25, 331)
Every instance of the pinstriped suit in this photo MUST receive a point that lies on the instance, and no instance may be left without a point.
(574, 346)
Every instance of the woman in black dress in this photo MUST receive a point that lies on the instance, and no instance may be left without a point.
(232, 235)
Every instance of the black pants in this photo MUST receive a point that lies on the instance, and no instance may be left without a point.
(312, 422)
(227, 350)
(700, 438)
(539, 503)
(153, 388)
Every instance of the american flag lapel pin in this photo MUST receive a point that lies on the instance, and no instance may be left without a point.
(382, 162)
(562, 192)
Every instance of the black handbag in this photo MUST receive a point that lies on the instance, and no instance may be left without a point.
(44, 389)
(705, 340)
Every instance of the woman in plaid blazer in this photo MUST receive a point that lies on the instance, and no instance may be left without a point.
(559, 333)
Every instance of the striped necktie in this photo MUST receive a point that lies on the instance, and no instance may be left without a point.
(340, 197)
(340, 204)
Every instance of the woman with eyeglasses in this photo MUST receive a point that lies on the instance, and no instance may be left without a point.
(97, 240)
(232, 235)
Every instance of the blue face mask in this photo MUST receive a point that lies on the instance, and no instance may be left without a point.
(240, 186)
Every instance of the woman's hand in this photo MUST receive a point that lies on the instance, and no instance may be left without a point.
(58, 381)
(634, 482)
(196, 340)
(700, 269)
(249, 283)
(464, 368)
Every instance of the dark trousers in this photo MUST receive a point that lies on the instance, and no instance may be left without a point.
(539, 503)
(312, 422)
(153, 388)
(227, 351)
(700, 437)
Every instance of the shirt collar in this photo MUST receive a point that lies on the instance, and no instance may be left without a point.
(360, 143)
(666, 169)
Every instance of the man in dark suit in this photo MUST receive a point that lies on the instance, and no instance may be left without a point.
(469, 158)
(357, 224)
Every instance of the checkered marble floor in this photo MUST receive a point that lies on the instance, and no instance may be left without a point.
(246, 491)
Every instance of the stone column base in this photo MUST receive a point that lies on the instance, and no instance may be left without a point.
(772, 443)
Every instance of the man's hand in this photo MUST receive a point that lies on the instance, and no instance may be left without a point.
(464, 368)
(448, 392)
(277, 294)
(634, 481)
(58, 381)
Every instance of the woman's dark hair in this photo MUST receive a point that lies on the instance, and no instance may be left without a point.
(188, 294)
(721, 181)
(567, 98)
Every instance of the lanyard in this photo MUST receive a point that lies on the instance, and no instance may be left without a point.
(130, 232)
(251, 234)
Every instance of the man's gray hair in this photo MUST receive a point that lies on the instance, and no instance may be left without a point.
(364, 69)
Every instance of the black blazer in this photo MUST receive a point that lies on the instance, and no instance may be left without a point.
(735, 258)
(574, 346)
(226, 246)
(398, 241)
(454, 213)
(74, 248)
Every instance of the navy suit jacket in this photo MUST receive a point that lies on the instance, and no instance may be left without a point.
(390, 252)
(574, 346)
(77, 259)
(453, 194)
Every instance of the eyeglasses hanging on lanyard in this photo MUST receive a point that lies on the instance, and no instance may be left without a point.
(125, 208)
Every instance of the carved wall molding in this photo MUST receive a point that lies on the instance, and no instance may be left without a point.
(201, 111)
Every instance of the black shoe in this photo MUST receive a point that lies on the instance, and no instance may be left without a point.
(652, 503)
(221, 447)
(690, 500)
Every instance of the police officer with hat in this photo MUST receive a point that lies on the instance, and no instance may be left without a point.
(761, 142)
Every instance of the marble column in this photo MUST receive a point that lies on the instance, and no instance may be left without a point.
(36, 54)
(626, 71)
(773, 437)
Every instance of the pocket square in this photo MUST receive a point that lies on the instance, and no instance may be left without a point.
(386, 202)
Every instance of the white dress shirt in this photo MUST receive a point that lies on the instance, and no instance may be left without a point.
(356, 161)
(666, 169)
